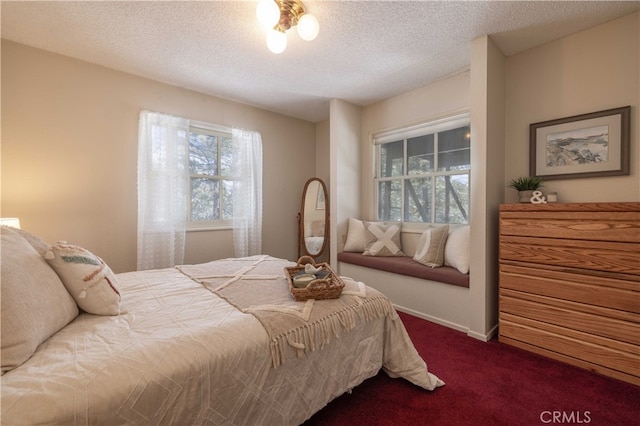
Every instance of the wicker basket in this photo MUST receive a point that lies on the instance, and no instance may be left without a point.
(329, 287)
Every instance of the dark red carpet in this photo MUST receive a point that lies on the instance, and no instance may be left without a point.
(486, 384)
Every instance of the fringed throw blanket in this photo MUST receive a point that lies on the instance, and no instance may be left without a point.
(257, 285)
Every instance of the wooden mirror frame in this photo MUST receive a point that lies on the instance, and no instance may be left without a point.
(316, 199)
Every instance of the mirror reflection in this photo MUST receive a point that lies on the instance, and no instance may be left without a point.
(314, 218)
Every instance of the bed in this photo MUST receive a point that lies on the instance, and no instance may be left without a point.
(313, 244)
(186, 345)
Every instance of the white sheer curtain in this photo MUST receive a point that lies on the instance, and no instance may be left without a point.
(247, 193)
(163, 185)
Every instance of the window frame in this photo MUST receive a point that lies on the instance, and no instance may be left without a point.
(208, 225)
(449, 122)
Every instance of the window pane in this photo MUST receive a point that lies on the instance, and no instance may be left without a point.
(227, 199)
(454, 152)
(226, 156)
(204, 199)
(420, 154)
(203, 154)
(392, 159)
(417, 196)
(390, 200)
(423, 173)
(452, 199)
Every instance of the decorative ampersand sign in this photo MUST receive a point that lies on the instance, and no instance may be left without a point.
(538, 198)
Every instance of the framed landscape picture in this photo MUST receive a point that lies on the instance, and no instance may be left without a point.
(587, 145)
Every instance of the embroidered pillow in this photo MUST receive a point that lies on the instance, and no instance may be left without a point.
(430, 248)
(457, 249)
(89, 280)
(382, 239)
(34, 303)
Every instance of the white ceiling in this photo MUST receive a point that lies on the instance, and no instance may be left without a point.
(366, 50)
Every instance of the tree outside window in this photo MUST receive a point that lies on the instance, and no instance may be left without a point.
(211, 180)
(422, 173)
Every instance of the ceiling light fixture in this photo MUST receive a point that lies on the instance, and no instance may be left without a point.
(278, 16)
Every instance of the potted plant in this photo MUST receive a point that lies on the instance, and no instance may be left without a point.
(525, 186)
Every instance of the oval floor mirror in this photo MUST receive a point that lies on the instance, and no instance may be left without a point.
(313, 221)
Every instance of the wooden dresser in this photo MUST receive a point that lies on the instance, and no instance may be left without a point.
(570, 284)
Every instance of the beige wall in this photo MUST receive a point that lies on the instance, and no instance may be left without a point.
(345, 169)
(442, 98)
(352, 162)
(322, 152)
(589, 71)
(487, 174)
(69, 153)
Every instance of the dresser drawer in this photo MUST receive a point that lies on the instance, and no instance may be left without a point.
(605, 360)
(571, 316)
(600, 256)
(596, 226)
(611, 293)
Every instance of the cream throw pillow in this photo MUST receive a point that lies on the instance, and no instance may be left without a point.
(35, 303)
(430, 248)
(457, 250)
(89, 280)
(382, 239)
(317, 228)
(355, 236)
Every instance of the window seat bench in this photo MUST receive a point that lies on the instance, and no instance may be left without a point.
(405, 265)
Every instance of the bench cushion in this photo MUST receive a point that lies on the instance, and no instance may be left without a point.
(405, 265)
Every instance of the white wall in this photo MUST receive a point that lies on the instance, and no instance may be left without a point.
(69, 155)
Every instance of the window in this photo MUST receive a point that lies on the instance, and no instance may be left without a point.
(210, 177)
(422, 172)
(184, 179)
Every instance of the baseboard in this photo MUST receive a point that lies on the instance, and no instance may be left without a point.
(483, 337)
(433, 319)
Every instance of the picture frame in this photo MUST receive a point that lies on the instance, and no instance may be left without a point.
(581, 146)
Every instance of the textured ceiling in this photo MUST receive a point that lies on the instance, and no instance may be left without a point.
(366, 50)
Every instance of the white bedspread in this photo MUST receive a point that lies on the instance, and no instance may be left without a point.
(182, 355)
(313, 244)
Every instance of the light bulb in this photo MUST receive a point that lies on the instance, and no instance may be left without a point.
(268, 13)
(308, 27)
(276, 41)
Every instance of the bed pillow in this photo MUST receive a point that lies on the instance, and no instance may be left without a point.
(36, 242)
(430, 248)
(89, 280)
(457, 250)
(35, 304)
(382, 239)
(317, 228)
